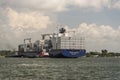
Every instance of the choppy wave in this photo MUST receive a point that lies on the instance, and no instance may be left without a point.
(60, 69)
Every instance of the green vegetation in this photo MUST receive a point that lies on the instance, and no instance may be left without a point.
(6, 52)
(103, 53)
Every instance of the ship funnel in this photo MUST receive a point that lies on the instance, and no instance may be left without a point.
(62, 30)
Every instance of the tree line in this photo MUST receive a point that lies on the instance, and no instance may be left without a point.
(7, 52)
(103, 53)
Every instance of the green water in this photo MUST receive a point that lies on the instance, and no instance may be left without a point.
(59, 69)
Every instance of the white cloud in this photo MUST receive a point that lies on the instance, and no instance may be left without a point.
(96, 37)
(99, 37)
(59, 5)
(29, 18)
(116, 5)
(96, 4)
(41, 5)
(15, 26)
(24, 20)
(54, 5)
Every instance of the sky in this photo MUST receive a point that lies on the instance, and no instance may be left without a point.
(97, 20)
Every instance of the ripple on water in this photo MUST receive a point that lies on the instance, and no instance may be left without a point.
(59, 69)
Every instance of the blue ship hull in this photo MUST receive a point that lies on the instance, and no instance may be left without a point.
(67, 53)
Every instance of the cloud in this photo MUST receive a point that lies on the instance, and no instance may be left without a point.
(35, 20)
(41, 5)
(59, 5)
(96, 37)
(15, 26)
(96, 4)
(116, 5)
(29, 18)
(99, 37)
(53, 5)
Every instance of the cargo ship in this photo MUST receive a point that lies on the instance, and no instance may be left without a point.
(63, 45)
(57, 45)
(31, 49)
